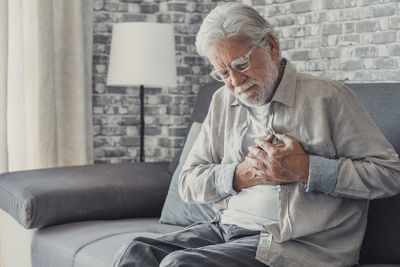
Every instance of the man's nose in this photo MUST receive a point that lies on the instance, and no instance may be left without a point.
(237, 78)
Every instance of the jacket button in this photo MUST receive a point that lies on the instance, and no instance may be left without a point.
(396, 156)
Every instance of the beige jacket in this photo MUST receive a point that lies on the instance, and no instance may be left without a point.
(314, 228)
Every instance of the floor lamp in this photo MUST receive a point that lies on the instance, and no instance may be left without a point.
(142, 54)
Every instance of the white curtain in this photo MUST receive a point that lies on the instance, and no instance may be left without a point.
(45, 83)
(3, 85)
(45, 96)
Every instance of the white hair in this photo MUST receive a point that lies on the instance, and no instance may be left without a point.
(232, 20)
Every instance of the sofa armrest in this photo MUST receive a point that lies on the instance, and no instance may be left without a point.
(39, 198)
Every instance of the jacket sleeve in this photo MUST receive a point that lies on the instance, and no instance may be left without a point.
(368, 167)
(203, 178)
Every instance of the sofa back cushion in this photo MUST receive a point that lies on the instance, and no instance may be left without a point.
(382, 101)
(175, 210)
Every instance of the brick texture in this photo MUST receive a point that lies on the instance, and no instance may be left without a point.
(347, 40)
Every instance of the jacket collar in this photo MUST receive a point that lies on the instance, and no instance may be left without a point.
(285, 92)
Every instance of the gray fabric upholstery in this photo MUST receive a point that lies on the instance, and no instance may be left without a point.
(175, 211)
(88, 244)
(382, 101)
(53, 196)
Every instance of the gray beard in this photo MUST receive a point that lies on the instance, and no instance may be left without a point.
(265, 91)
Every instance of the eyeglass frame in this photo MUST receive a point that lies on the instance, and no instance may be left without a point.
(231, 65)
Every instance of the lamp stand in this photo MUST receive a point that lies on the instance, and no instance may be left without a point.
(141, 123)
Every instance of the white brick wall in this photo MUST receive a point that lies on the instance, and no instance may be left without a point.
(348, 40)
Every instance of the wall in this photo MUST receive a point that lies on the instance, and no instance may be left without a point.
(347, 40)
(167, 110)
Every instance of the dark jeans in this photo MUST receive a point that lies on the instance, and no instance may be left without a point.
(205, 244)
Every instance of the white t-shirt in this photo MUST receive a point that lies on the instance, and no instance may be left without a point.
(257, 205)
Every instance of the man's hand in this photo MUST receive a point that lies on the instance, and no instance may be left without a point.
(247, 173)
(273, 164)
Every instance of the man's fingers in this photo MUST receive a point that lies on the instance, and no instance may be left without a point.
(258, 181)
(270, 138)
(255, 162)
(256, 151)
(286, 139)
(266, 146)
(265, 180)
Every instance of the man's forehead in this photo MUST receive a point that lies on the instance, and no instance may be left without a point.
(227, 50)
(231, 44)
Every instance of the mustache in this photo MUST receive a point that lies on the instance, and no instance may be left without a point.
(246, 85)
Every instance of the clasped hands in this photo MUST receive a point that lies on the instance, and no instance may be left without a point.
(267, 163)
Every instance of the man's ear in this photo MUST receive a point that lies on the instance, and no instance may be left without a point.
(273, 44)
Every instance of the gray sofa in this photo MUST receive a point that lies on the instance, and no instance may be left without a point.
(81, 216)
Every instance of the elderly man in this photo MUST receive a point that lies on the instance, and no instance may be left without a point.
(289, 160)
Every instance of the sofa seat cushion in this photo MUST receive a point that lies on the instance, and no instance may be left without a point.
(377, 265)
(90, 243)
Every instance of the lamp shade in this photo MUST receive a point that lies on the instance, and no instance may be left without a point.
(142, 54)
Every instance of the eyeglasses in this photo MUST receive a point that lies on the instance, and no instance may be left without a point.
(240, 64)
